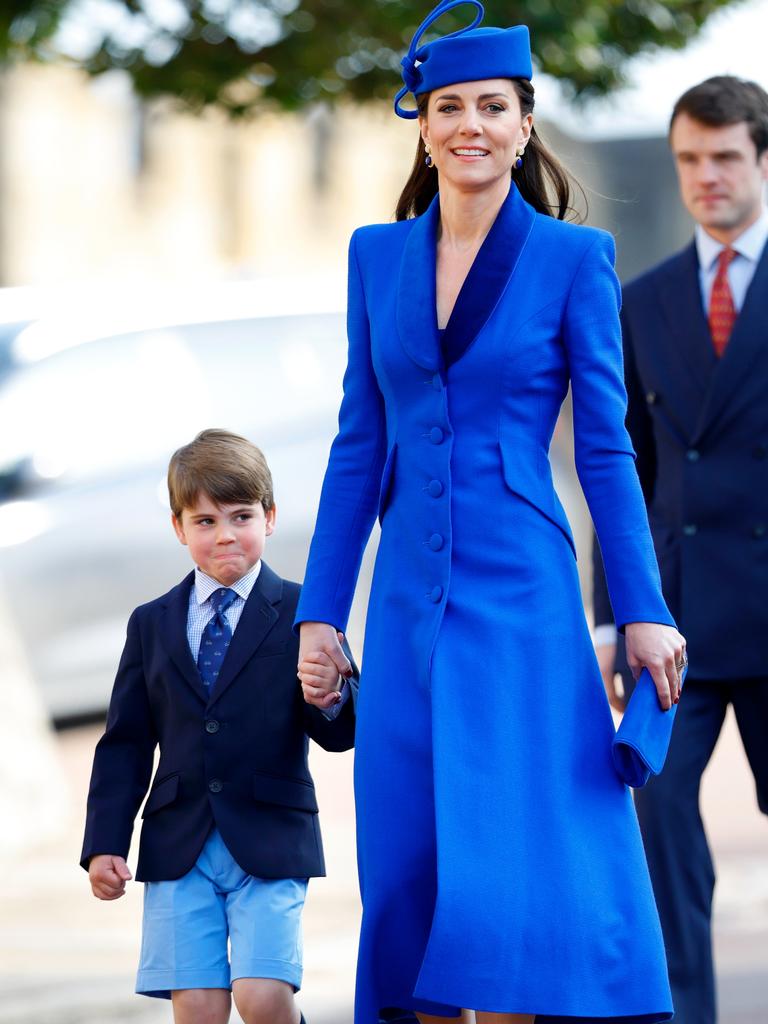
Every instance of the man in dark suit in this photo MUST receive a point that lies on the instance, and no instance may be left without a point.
(696, 362)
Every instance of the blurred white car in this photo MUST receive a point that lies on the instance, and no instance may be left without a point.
(88, 420)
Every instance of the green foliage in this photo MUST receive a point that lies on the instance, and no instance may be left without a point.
(241, 53)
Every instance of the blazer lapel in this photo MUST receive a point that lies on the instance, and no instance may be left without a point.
(680, 291)
(749, 339)
(416, 299)
(257, 619)
(175, 635)
(489, 274)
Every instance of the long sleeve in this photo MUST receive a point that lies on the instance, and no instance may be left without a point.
(605, 459)
(122, 764)
(350, 490)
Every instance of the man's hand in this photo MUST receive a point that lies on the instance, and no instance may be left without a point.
(606, 659)
(108, 874)
(321, 662)
(660, 649)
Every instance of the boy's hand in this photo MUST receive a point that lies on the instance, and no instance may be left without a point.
(108, 874)
(321, 662)
(320, 676)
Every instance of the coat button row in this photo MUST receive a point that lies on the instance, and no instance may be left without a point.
(435, 488)
(212, 726)
(436, 595)
(436, 541)
(436, 435)
(215, 785)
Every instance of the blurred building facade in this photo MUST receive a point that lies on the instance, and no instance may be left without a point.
(96, 185)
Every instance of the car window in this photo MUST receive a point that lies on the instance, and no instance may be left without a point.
(109, 405)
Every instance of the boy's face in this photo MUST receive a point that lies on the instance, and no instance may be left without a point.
(225, 541)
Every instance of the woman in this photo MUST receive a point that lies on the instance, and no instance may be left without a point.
(500, 862)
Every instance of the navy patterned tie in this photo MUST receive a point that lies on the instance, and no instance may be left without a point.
(216, 638)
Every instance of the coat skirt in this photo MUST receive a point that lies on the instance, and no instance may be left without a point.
(500, 860)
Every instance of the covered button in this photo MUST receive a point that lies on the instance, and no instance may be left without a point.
(437, 593)
(436, 435)
(436, 541)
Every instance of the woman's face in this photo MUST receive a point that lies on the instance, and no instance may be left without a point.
(475, 130)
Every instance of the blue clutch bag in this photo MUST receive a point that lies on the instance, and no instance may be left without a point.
(642, 740)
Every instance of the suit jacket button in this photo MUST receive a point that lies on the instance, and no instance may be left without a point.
(693, 455)
(690, 529)
(436, 435)
(651, 397)
(435, 488)
(215, 785)
(758, 531)
(436, 541)
(211, 726)
(437, 593)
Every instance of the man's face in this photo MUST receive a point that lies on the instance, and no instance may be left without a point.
(721, 177)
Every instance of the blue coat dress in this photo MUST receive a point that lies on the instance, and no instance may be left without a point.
(500, 860)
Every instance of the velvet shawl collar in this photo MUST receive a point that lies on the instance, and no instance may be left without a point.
(483, 286)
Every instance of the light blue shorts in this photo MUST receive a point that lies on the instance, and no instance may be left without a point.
(190, 923)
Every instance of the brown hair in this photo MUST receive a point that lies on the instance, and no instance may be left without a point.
(227, 467)
(542, 180)
(724, 100)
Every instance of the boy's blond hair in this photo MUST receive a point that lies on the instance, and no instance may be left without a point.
(225, 466)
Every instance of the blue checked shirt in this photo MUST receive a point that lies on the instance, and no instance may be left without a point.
(201, 612)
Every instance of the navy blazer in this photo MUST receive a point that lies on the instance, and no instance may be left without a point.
(236, 758)
(699, 425)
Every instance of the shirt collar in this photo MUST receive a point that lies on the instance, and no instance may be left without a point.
(749, 244)
(205, 584)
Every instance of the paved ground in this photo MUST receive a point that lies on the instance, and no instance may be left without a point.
(65, 957)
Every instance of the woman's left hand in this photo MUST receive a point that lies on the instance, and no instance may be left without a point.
(660, 649)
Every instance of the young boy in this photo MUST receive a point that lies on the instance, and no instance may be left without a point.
(230, 833)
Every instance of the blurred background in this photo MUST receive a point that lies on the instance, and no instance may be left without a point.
(178, 182)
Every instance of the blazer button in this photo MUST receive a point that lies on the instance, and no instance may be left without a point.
(215, 785)
(651, 397)
(436, 541)
(211, 726)
(693, 455)
(436, 435)
(435, 488)
(437, 593)
(690, 529)
(758, 531)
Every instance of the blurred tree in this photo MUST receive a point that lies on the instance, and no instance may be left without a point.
(240, 53)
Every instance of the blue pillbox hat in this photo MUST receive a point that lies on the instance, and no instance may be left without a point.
(468, 55)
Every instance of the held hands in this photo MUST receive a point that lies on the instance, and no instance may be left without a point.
(660, 649)
(108, 875)
(321, 662)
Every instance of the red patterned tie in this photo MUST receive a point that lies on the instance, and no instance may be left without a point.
(722, 313)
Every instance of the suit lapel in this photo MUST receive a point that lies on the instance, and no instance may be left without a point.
(258, 617)
(489, 274)
(484, 285)
(680, 291)
(174, 634)
(749, 339)
(416, 300)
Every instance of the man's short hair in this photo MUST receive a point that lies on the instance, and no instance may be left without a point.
(225, 466)
(725, 100)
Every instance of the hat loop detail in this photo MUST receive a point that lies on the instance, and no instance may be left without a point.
(411, 74)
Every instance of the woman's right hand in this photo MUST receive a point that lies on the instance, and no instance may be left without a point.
(318, 639)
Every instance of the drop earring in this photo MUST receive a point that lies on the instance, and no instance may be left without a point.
(428, 158)
(519, 160)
